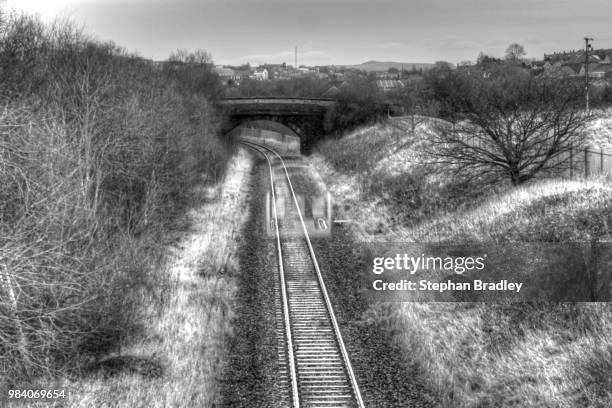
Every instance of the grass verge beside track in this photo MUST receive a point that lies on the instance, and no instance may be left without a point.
(178, 360)
(249, 378)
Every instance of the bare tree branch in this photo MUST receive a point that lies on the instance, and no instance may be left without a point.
(515, 125)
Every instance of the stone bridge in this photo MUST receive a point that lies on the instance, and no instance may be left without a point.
(304, 116)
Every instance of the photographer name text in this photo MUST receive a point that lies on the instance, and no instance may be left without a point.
(458, 265)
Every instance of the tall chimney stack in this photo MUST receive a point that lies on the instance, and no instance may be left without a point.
(296, 57)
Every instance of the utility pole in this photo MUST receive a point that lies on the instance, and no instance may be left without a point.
(587, 48)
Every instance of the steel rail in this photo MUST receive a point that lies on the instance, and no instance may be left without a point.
(290, 354)
(340, 341)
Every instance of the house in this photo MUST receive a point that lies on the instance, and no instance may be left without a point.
(387, 75)
(597, 71)
(601, 71)
(261, 74)
(575, 67)
(224, 72)
(275, 71)
(411, 78)
(387, 85)
(242, 74)
(561, 71)
(578, 56)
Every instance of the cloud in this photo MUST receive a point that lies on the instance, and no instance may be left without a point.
(458, 43)
(47, 10)
(399, 46)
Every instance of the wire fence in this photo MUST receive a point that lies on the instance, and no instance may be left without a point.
(580, 162)
(588, 162)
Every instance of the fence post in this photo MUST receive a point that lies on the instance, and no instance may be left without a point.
(571, 163)
(587, 172)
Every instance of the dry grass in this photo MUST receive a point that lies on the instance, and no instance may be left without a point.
(478, 355)
(495, 355)
(549, 211)
(534, 355)
(600, 130)
(540, 355)
(348, 164)
(383, 180)
(179, 359)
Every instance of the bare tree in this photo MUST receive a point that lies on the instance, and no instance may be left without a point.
(198, 56)
(416, 103)
(513, 125)
(515, 52)
(194, 73)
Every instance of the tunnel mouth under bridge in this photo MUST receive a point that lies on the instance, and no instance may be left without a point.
(270, 133)
(262, 124)
(304, 117)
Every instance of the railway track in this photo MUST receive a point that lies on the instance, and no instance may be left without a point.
(314, 365)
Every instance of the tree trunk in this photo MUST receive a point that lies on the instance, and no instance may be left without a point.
(515, 176)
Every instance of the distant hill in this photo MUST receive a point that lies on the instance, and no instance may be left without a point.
(371, 66)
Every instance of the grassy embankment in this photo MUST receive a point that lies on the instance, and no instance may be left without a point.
(475, 354)
(101, 155)
(188, 339)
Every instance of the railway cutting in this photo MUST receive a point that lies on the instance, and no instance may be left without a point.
(314, 367)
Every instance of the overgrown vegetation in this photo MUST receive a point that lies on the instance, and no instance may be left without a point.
(358, 100)
(98, 150)
(547, 211)
(475, 354)
(180, 357)
(512, 124)
(533, 354)
(387, 165)
(295, 88)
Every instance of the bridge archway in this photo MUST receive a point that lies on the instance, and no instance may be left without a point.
(303, 116)
(262, 124)
(270, 133)
(266, 124)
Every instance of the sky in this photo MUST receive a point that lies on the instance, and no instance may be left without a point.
(336, 32)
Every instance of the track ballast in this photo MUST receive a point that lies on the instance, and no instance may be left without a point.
(313, 362)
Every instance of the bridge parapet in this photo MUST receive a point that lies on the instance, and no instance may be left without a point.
(296, 101)
(276, 106)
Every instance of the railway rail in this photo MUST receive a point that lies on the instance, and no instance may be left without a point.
(314, 363)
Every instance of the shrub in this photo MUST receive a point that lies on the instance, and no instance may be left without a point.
(98, 150)
(358, 103)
